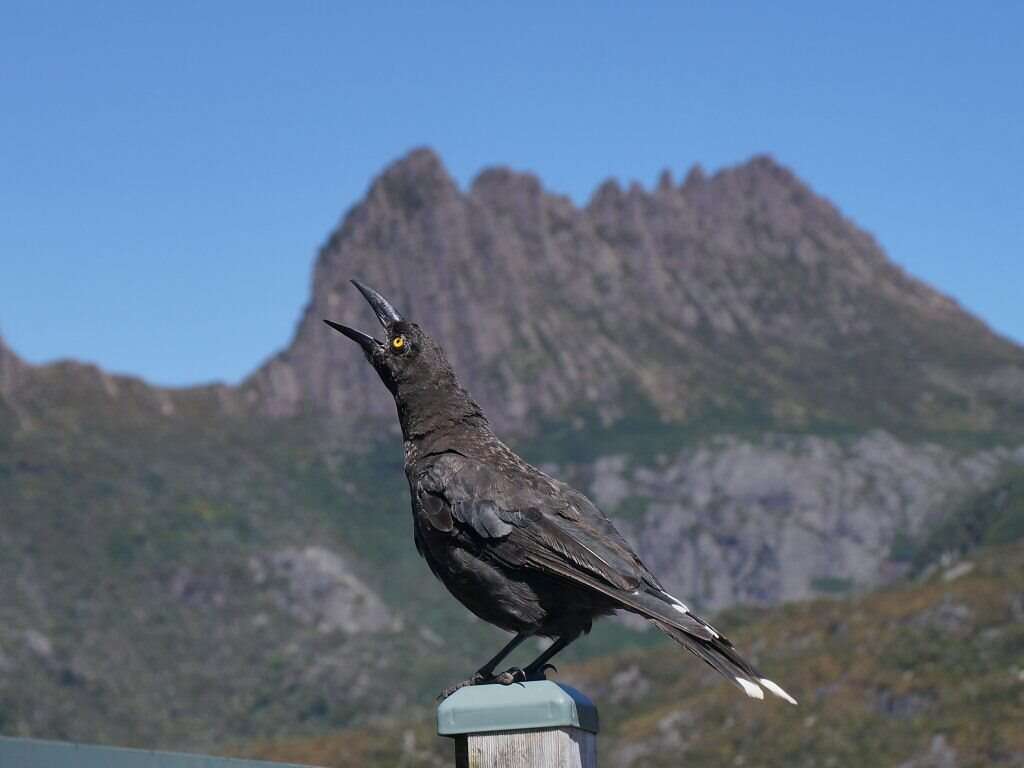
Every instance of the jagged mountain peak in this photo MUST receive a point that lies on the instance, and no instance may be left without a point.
(762, 164)
(741, 294)
(695, 177)
(760, 171)
(410, 184)
(609, 193)
(666, 182)
(743, 290)
(501, 182)
(421, 163)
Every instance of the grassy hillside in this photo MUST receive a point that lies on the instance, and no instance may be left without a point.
(132, 602)
(926, 674)
(140, 605)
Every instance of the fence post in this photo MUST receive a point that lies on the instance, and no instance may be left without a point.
(541, 724)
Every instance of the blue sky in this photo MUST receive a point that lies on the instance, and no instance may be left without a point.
(167, 171)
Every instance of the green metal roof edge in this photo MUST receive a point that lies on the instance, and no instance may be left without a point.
(39, 753)
(516, 707)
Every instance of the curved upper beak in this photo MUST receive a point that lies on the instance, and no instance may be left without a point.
(385, 312)
(382, 308)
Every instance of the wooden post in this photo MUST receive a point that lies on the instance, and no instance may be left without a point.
(540, 724)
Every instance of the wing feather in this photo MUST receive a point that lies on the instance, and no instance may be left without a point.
(551, 526)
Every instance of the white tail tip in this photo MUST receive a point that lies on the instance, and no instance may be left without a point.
(749, 688)
(777, 690)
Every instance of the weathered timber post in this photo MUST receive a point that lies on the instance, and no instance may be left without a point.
(540, 724)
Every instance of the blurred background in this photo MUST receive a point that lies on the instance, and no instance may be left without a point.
(749, 278)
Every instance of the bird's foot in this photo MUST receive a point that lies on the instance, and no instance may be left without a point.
(510, 676)
(527, 675)
(476, 679)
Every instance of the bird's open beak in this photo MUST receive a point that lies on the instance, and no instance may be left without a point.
(368, 343)
(385, 312)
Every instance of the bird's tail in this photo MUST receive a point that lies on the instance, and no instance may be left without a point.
(673, 618)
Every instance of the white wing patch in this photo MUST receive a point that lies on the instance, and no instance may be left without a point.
(679, 605)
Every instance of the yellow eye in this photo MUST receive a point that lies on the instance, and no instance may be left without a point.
(398, 343)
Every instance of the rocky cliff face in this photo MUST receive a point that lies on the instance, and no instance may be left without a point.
(783, 518)
(740, 292)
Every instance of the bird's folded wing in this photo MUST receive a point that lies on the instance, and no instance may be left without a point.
(536, 522)
(543, 524)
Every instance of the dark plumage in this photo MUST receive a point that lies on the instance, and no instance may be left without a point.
(520, 549)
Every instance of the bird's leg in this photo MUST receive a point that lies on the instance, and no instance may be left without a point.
(487, 670)
(535, 669)
(486, 673)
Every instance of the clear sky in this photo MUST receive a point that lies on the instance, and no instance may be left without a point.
(168, 170)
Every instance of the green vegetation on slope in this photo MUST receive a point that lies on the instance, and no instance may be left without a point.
(130, 608)
(920, 671)
(131, 540)
(993, 517)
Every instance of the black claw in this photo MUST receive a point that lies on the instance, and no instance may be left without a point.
(539, 673)
(510, 676)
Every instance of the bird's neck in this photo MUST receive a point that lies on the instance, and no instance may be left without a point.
(436, 415)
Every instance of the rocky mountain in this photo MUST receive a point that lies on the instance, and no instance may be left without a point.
(782, 518)
(739, 295)
(768, 407)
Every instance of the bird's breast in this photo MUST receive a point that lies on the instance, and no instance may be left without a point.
(494, 593)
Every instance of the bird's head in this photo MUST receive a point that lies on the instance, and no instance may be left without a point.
(407, 358)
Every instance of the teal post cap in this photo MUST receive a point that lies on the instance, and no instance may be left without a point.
(516, 707)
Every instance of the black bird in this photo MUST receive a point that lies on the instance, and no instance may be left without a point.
(520, 549)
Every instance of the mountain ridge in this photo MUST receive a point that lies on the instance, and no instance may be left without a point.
(771, 301)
